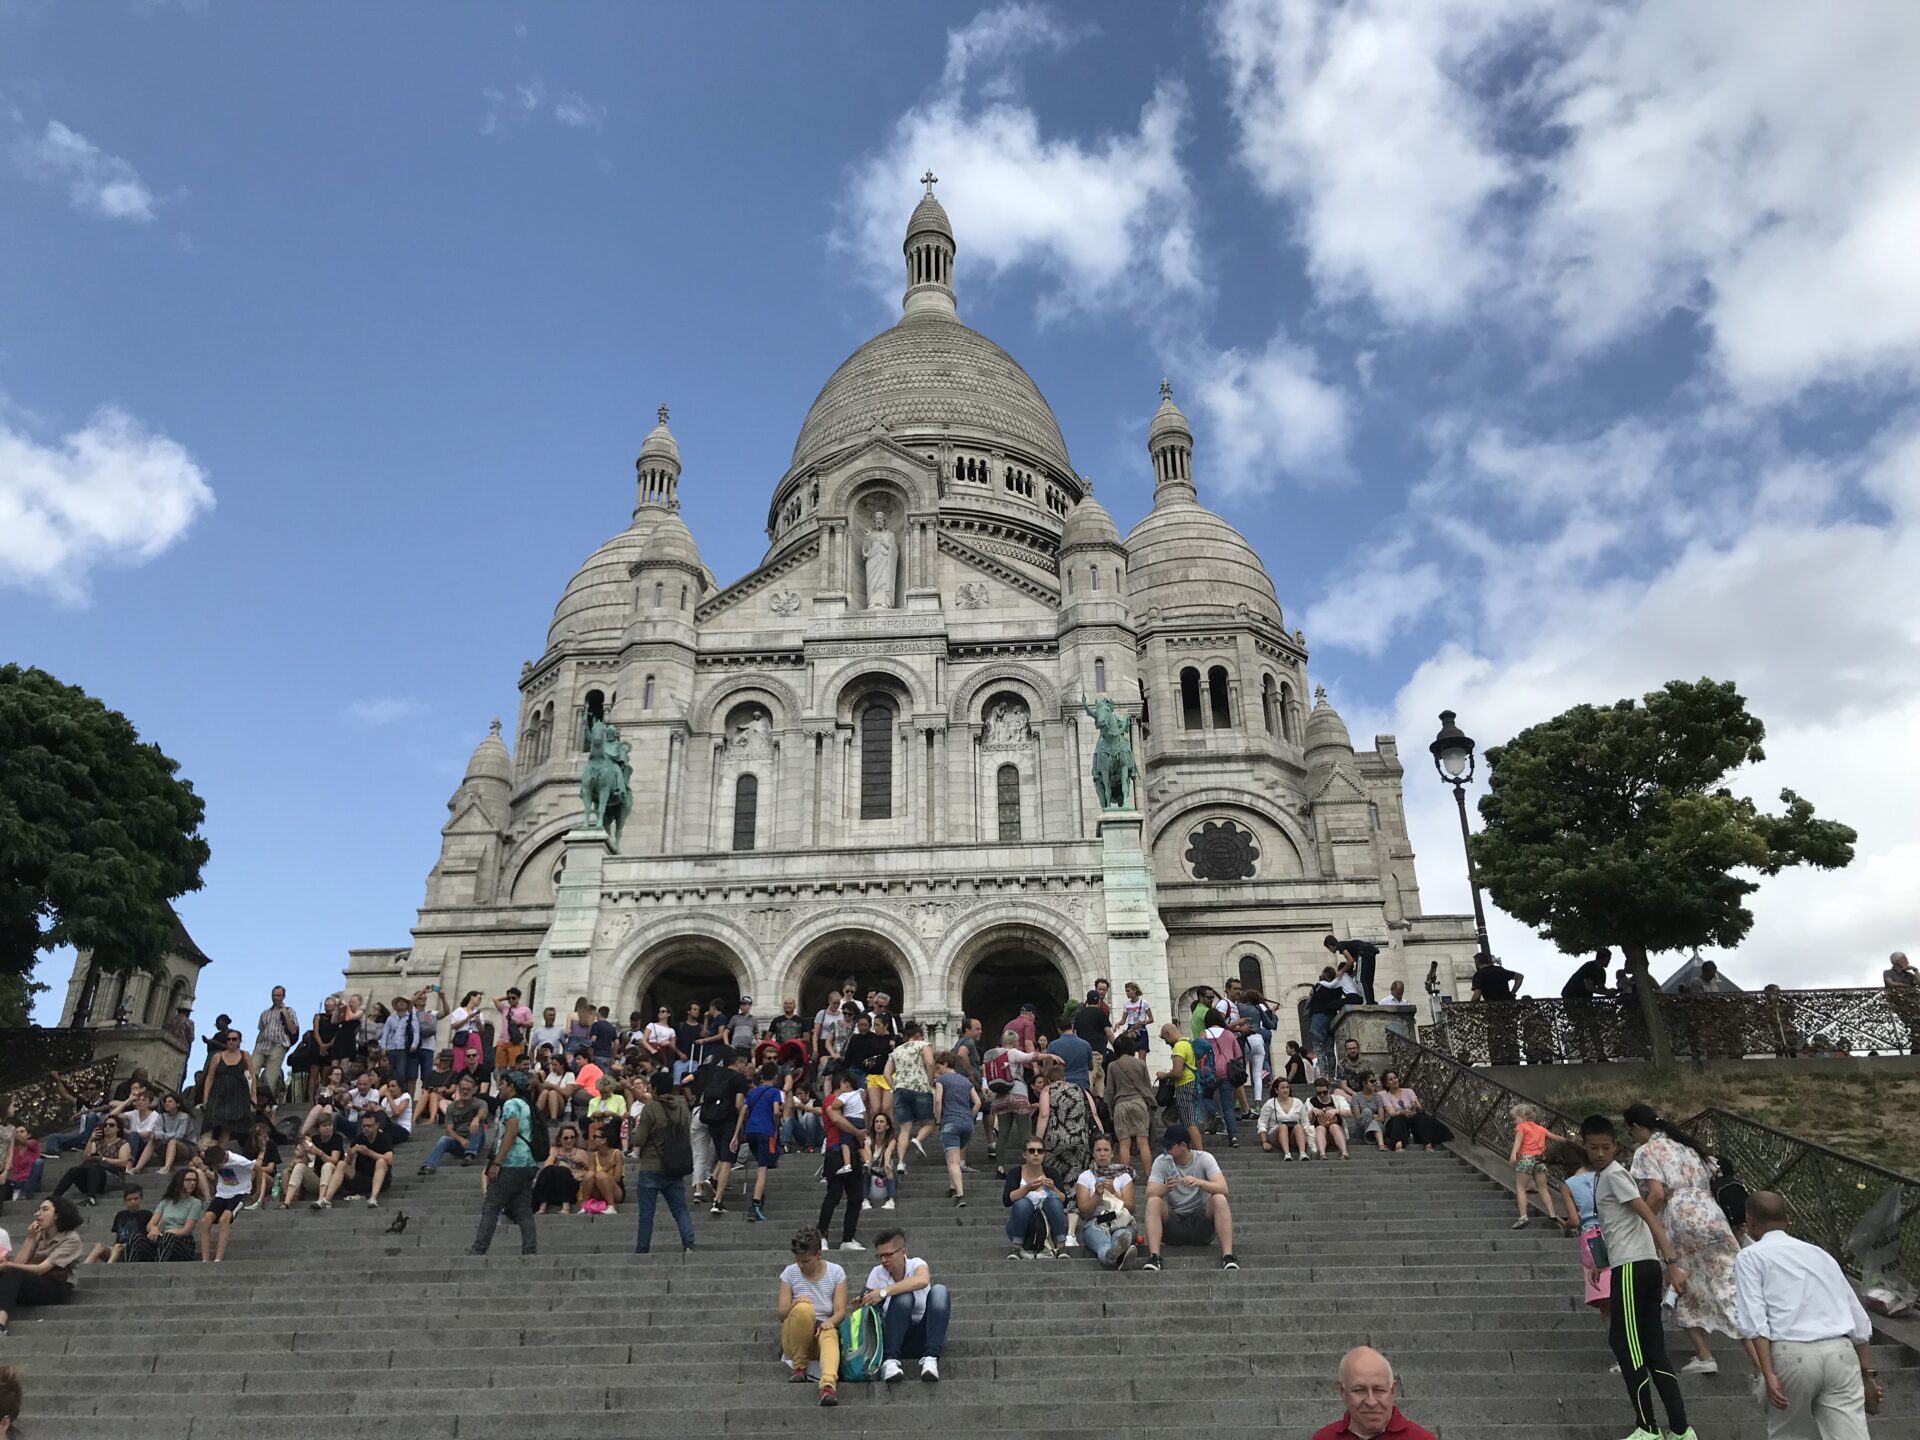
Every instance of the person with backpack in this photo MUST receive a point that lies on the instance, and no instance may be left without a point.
(723, 1102)
(915, 1311)
(844, 1182)
(1012, 1104)
(759, 1127)
(511, 1170)
(663, 1159)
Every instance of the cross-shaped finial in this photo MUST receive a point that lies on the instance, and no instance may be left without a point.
(494, 729)
(1166, 389)
(929, 180)
(1320, 694)
(663, 414)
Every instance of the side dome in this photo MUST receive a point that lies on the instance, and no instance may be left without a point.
(599, 597)
(1088, 523)
(490, 760)
(671, 543)
(1182, 556)
(1326, 731)
(930, 375)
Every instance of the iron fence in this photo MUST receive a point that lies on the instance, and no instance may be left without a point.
(1699, 1027)
(1827, 1190)
(47, 1100)
(30, 1051)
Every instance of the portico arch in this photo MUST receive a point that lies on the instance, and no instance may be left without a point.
(866, 943)
(679, 959)
(1020, 954)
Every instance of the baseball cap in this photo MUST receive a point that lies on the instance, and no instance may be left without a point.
(1176, 1135)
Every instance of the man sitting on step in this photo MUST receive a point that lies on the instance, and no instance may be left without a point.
(463, 1128)
(364, 1172)
(1368, 1390)
(914, 1310)
(1187, 1200)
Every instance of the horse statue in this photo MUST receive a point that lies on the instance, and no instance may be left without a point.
(1113, 765)
(605, 790)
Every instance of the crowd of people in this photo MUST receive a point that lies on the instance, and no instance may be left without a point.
(1096, 1149)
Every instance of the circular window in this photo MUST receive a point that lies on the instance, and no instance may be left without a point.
(1222, 850)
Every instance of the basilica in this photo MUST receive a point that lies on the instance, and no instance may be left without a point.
(870, 756)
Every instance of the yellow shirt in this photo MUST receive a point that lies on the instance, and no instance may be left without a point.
(1186, 1069)
(614, 1104)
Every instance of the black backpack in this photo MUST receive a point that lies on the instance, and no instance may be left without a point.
(537, 1139)
(716, 1098)
(676, 1151)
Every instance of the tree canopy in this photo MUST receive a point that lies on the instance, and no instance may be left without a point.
(98, 832)
(1609, 825)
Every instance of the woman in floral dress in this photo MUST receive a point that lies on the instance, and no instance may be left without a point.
(1678, 1183)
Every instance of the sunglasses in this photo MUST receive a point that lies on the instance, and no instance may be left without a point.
(1034, 1150)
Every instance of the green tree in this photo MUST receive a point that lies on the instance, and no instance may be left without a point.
(1609, 825)
(98, 833)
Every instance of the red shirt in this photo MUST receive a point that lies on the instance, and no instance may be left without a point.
(1397, 1425)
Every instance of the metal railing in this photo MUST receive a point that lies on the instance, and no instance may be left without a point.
(1827, 1190)
(47, 1100)
(30, 1051)
(1701, 1027)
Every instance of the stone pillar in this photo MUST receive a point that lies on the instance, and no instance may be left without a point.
(565, 960)
(1136, 935)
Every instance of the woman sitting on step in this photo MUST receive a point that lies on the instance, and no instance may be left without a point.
(106, 1162)
(40, 1272)
(558, 1182)
(605, 1183)
(1405, 1120)
(170, 1231)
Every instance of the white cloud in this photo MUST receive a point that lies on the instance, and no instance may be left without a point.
(99, 183)
(1264, 413)
(110, 493)
(1591, 168)
(1375, 594)
(1101, 219)
(578, 112)
(384, 710)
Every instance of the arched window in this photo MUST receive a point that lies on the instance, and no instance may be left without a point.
(659, 593)
(1217, 700)
(1006, 794)
(1373, 811)
(876, 761)
(176, 997)
(1269, 705)
(1096, 577)
(1286, 712)
(156, 997)
(1250, 977)
(746, 807)
(1099, 676)
(683, 597)
(646, 694)
(1190, 699)
(546, 734)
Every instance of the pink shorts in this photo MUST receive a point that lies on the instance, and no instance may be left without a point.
(1597, 1284)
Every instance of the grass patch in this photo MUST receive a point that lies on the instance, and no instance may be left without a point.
(1857, 1114)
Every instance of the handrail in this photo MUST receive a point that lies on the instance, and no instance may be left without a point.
(1719, 1026)
(1828, 1191)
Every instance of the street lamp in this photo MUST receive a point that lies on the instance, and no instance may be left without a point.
(1453, 758)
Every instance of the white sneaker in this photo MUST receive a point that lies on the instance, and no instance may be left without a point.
(929, 1368)
(1697, 1366)
(887, 1204)
(372, 1204)
(851, 1245)
(612, 1210)
(891, 1370)
(901, 1168)
(1073, 1242)
(867, 1205)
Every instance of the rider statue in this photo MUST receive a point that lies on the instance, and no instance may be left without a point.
(606, 792)
(1113, 766)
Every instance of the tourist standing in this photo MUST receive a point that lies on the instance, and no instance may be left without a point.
(227, 1098)
(511, 1170)
(278, 1030)
(664, 1121)
(759, 1128)
(1678, 1183)
(1363, 955)
(1642, 1264)
(909, 1071)
(1805, 1331)
(1130, 1101)
(846, 1183)
(959, 1109)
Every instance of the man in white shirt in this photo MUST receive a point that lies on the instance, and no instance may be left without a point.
(547, 1032)
(1805, 1331)
(915, 1311)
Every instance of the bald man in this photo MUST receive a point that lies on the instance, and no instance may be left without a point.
(1368, 1390)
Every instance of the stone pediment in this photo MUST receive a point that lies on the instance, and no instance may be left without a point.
(1339, 788)
(1007, 571)
(470, 816)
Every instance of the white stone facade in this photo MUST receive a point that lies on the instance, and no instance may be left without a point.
(872, 757)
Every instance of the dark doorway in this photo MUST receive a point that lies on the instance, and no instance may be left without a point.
(871, 967)
(685, 981)
(1000, 984)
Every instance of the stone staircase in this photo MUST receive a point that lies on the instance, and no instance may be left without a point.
(323, 1324)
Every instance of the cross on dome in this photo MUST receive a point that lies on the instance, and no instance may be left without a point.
(1166, 388)
(929, 180)
(662, 412)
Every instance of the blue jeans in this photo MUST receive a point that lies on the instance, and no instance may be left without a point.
(1320, 1037)
(73, 1139)
(802, 1132)
(446, 1145)
(910, 1339)
(1220, 1099)
(1099, 1241)
(649, 1186)
(404, 1065)
(1020, 1217)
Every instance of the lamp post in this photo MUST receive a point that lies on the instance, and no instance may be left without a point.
(1453, 758)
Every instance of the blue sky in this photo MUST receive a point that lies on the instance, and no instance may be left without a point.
(1544, 356)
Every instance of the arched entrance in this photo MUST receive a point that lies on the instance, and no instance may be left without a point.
(687, 978)
(869, 963)
(1007, 977)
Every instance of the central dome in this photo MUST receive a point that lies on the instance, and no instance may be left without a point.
(930, 374)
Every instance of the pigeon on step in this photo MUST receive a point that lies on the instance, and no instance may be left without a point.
(399, 1224)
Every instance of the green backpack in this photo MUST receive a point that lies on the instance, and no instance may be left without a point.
(862, 1344)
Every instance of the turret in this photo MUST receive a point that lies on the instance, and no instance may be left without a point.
(658, 469)
(929, 250)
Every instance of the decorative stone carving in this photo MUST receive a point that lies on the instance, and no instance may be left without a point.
(784, 602)
(971, 596)
(616, 928)
(1007, 726)
(752, 737)
(878, 550)
(1222, 850)
(931, 918)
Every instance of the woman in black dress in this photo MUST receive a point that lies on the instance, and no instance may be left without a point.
(227, 1101)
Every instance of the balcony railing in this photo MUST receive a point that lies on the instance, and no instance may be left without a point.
(1702, 1027)
(1827, 1191)
(30, 1051)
